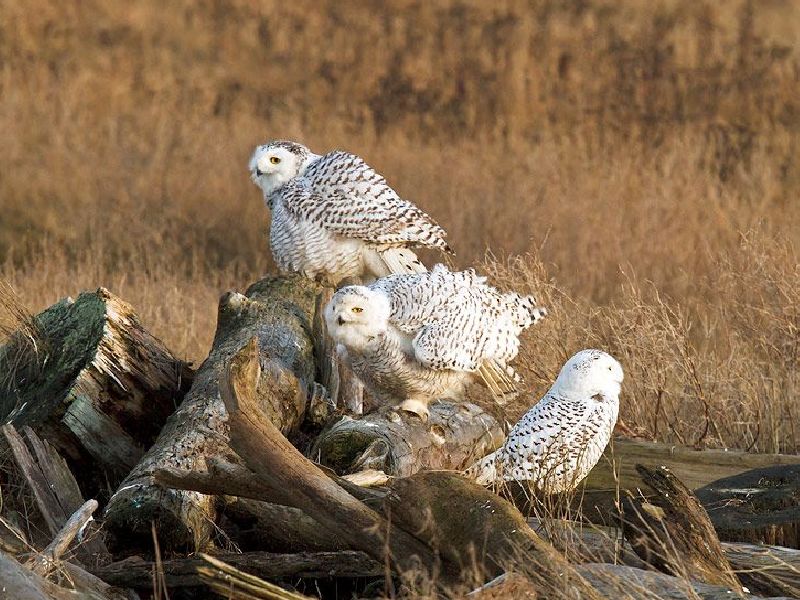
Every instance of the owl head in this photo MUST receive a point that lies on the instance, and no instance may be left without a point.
(356, 315)
(590, 374)
(276, 162)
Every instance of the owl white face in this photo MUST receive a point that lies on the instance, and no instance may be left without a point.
(275, 163)
(590, 373)
(356, 315)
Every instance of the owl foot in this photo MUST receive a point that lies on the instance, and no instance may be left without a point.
(417, 407)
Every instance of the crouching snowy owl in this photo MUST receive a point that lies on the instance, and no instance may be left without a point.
(419, 337)
(560, 439)
(335, 218)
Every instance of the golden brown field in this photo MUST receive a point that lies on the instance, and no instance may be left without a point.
(635, 164)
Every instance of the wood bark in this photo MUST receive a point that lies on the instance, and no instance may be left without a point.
(278, 312)
(455, 436)
(135, 572)
(671, 531)
(762, 506)
(93, 382)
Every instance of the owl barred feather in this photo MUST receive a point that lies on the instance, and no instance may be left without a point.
(417, 337)
(335, 217)
(558, 441)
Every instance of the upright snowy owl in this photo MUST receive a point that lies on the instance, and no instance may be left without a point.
(560, 439)
(335, 218)
(418, 337)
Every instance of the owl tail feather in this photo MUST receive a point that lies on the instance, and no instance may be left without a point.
(402, 260)
(484, 471)
(501, 380)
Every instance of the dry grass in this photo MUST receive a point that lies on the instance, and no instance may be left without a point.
(641, 157)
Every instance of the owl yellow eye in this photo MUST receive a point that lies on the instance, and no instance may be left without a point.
(274, 160)
(357, 309)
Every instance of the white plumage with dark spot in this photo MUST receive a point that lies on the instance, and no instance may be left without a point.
(418, 337)
(558, 441)
(335, 218)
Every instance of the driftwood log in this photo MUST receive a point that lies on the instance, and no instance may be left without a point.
(620, 581)
(695, 468)
(455, 522)
(55, 493)
(455, 436)
(765, 570)
(295, 481)
(92, 381)
(762, 506)
(278, 312)
(616, 473)
(671, 531)
(19, 582)
(135, 572)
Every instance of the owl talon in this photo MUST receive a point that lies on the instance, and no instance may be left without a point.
(417, 407)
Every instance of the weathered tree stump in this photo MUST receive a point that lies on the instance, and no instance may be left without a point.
(672, 531)
(278, 312)
(93, 382)
(400, 444)
(761, 506)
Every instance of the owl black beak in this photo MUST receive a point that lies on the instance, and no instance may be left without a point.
(340, 320)
(259, 172)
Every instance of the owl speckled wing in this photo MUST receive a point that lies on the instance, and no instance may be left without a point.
(344, 195)
(418, 299)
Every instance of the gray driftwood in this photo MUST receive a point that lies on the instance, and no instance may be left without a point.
(278, 312)
(762, 506)
(671, 531)
(765, 570)
(400, 444)
(20, 583)
(623, 582)
(616, 472)
(54, 490)
(92, 381)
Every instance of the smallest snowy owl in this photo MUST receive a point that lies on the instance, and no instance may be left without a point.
(558, 441)
(416, 338)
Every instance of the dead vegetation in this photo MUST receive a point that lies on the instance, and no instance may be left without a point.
(633, 164)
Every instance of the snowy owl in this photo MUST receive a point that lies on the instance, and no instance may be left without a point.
(560, 439)
(335, 218)
(418, 337)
